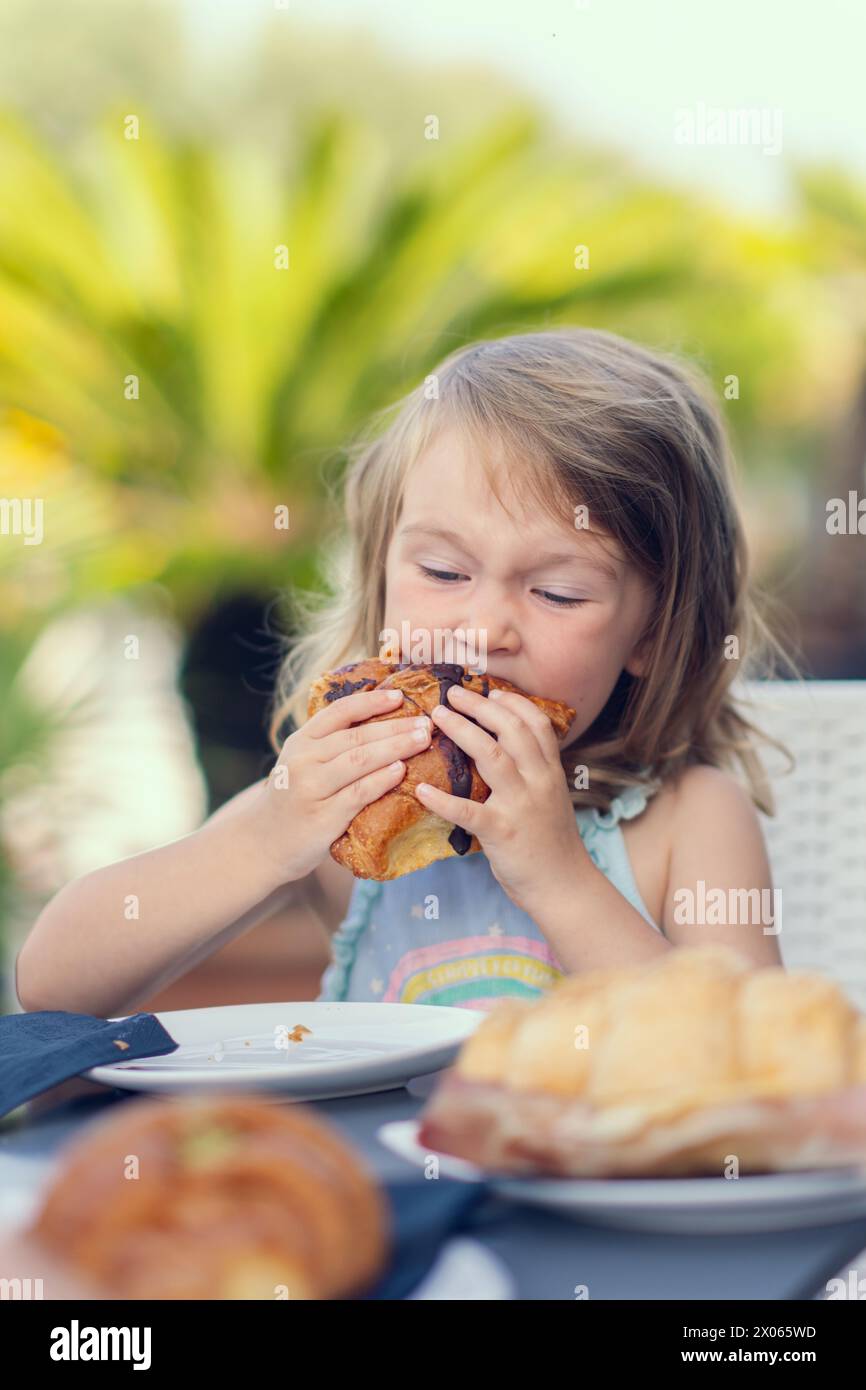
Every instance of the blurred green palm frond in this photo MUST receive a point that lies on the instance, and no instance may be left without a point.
(835, 202)
(155, 259)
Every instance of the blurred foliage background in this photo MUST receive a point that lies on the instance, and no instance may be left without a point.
(165, 383)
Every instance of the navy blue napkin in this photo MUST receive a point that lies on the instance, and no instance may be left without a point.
(39, 1050)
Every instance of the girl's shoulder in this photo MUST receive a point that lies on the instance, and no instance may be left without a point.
(696, 792)
(701, 789)
(692, 788)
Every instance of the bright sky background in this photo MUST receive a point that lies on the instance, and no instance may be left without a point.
(617, 70)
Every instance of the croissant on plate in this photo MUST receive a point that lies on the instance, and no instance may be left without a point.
(396, 834)
(226, 1198)
(670, 1067)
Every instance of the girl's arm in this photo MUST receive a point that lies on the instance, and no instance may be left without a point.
(719, 869)
(118, 934)
(712, 840)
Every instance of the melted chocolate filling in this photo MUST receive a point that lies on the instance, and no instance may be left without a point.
(337, 692)
(456, 761)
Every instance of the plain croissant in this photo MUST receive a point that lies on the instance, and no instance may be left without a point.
(233, 1199)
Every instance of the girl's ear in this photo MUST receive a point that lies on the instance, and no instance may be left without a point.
(639, 656)
(637, 662)
(635, 666)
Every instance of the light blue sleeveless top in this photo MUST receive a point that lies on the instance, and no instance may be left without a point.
(450, 934)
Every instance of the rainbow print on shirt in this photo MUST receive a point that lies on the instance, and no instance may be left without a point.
(472, 972)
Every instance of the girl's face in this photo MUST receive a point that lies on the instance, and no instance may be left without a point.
(561, 608)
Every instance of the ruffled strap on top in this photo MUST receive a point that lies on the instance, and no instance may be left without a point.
(344, 942)
(595, 826)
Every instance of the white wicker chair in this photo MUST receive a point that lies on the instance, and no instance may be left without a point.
(817, 839)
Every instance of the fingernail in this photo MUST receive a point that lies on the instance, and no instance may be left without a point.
(393, 694)
(440, 709)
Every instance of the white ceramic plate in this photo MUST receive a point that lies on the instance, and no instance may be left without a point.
(683, 1206)
(351, 1049)
(465, 1270)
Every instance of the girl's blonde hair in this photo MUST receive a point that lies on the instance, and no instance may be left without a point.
(583, 418)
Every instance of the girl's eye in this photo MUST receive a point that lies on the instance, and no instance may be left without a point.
(561, 601)
(445, 576)
(448, 577)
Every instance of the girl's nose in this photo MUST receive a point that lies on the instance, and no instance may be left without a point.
(491, 630)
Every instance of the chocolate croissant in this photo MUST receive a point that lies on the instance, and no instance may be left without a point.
(396, 834)
(232, 1198)
(667, 1068)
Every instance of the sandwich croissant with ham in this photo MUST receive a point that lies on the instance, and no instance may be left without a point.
(669, 1068)
(396, 834)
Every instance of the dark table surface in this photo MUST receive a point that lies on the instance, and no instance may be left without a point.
(548, 1254)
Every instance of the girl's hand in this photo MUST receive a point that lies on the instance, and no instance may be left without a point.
(526, 826)
(327, 771)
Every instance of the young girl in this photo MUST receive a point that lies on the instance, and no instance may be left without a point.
(564, 499)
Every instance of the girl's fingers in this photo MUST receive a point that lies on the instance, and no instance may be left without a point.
(513, 719)
(358, 794)
(335, 744)
(369, 754)
(534, 719)
(496, 762)
(339, 714)
(456, 809)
